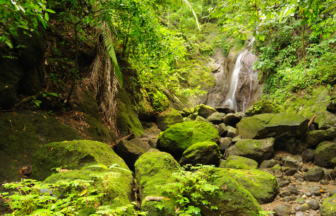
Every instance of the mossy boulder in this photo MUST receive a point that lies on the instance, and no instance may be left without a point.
(145, 110)
(127, 118)
(95, 130)
(206, 153)
(328, 207)
(262, 185)
(232, 199)
(187, 111)
(215, 118)
(272, 125)
(22, 134)
(258, 150)
(262, 107)
(130, 151)
(318, 136)
(153, 170)
(237, 162)
(181, 136)
(168, 118)
(73, 155)
(204, 110)
(232, 119)
(85, 102)
(324, 154)
(325, 120)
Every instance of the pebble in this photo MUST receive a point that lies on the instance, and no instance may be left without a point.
(302, 208)
(324, 182)
(313, 204)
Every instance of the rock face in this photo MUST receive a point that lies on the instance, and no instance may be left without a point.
(325, 153)
(130, 151)
(230, 197)
(206, 153)
(152, 170)
(328, 207)
(237, 162)
(258, 150)
(168, 118)
(72, 155)
(316, 137)
(205, 111)
(22, 134)
(262, 107)
(181, 136)
(262, 185)
(315, 174)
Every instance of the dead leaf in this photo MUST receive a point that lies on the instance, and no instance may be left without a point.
(24, 127)
(51, 148)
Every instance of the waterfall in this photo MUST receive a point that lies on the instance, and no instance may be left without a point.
(231, 101)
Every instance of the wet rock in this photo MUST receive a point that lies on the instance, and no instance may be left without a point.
(215, 118)
(318, 136)
(204, 110)
(272, 125)
(222, 130)
(282, 210)
(258, 150)
(313, 204)
(231, 132)
(331, 107)
(232, 119)
(179, 137)
(314, 174)
(324, 154)
(206, 153)
(269, 163)
(308, 155)
(224, 144)
(237, 162)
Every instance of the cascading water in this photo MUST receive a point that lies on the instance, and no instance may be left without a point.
(231, 101)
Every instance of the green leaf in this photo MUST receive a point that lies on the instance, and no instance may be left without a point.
(50, 11)
(46, 16)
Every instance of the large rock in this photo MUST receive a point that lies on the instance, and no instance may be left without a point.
(237, 162)
(231, 132)
(206, 153)
(72, 155)
(331, 107)
(22, 134)
(181, 136)
(272, 125)
(215, 118)
(153, 170)
(232, 119)
(130, 151)
(262, 107)
(168, 118)
(282, 210)
(262, 185)
(315, 174)
(258, 150)
(230, 197)
(292, 162)
(224, 144)
(328, 207)
(222, 130)
(204, 110)
(325, 120)
(269, 163)
(316, 137)
(308, 155)
(325, 153)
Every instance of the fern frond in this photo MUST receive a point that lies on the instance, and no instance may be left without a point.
(110, 50)
(191, 8)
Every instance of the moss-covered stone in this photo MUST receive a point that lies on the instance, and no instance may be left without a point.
(153, 170)
(206, 153)
(86, 103)
(181, 136)
(168, 118)
(328, 207)
(318, 136)
(262, 185)
(325, 120)
(215, 118)
(204, 110)
(127, 119)
(262, 107)
(237, 162)
(146, 110)
(72, 155)
(324, 154)
(258, 150)
(232, 199)
(97, 131)
(187, 111)
(22, 134)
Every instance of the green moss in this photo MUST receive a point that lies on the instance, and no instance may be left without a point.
(204, 110)
(262, 185)
(261, 107)
(328, 206)
(88, 104)
(237, 162)
(205, 153)
(276, 167)
(73, 155)
(145, 108)
(22, 134)
(127, 119)
(153, 170)
(168, 118)
(97, 131)
(181, 136)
